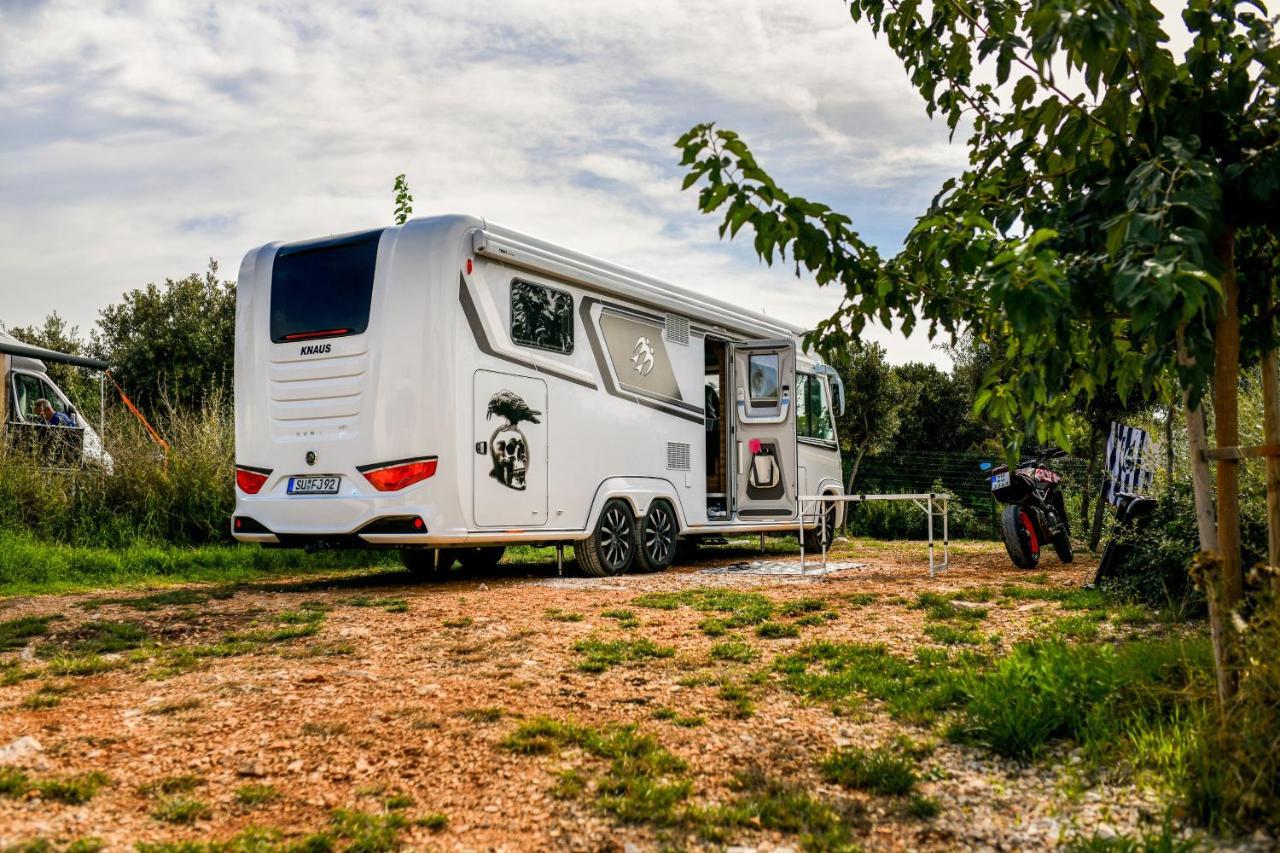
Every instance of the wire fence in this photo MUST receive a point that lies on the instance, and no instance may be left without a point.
(975, 514)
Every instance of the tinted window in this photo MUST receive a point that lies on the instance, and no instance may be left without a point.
(813, 412)
(541, 317)
(322, 289)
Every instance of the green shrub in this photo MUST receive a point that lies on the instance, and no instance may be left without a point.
(879, 771)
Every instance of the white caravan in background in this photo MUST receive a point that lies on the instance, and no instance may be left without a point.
(448, 386)
(26, 380)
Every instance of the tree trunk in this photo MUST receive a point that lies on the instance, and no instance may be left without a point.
(1229, 589)
(1168, 441)
(1091, 474)
(853, 475)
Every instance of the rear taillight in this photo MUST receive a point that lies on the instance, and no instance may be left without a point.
(251, 480)
(394, 476)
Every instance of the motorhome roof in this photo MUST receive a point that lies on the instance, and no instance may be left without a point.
(706, 308)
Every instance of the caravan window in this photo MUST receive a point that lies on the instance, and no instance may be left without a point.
(541, 317)
(323, 288)
(813, 409)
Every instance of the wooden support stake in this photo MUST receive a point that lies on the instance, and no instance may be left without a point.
(1229, 589)
(1271, 426)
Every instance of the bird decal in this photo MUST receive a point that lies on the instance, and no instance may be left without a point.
(511, 407)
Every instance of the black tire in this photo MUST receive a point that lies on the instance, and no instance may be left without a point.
(480, 559)
(1019, 540)
(420, 561)
(657, 540)
(821, 534)
(611, 548)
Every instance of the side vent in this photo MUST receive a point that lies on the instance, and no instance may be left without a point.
(677, 330)
(677, 456)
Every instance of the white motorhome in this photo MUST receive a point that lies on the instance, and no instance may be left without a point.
(449, 386)
(26, 380)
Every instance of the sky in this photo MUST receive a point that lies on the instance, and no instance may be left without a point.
(140, 139)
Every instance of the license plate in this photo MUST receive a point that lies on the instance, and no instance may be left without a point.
(999, 481)
(313, 485)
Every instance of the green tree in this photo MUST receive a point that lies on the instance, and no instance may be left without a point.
(1112, 227)
(873, 397)
(172, 343)
(936, 412)
(78, 383)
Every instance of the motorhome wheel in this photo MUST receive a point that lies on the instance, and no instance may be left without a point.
(611, 548)
(821, 535)
(657, 538)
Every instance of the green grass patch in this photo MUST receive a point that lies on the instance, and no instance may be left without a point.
(604, 654)
(877, 771)
(860, 599)
(734, 649)
(776, 630)
(170, 785)
(739, 608)
(464, 622)
(1095, 695)
(913, 689)
(739, 698)
(1132, 615)
(80, 665)
(921, 807)
(625, 618)
(801, 606)
(13, 782)
(73, 790)
(16, 633)
(951, 635)
(180, 810)
(482, 715)
(31, 566)
(255, 794)
(555, 614)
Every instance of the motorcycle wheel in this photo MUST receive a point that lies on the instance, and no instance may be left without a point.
(1019, 534)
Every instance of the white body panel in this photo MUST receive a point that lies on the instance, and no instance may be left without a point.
(437, 353)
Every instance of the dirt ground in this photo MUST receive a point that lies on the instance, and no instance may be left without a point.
(374, 693)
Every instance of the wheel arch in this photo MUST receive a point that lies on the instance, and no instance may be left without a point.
(639, 493)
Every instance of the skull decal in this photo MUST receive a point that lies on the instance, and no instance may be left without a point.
(507, 446)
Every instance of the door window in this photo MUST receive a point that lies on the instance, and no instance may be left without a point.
(762, 378)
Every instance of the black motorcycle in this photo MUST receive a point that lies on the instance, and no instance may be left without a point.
(1035, 511)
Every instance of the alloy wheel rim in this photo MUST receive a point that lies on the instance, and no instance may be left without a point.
(615, 542)
(657, 536)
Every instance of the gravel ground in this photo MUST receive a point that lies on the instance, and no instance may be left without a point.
(410, 688)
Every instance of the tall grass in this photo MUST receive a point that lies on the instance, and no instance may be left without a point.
(184, 497)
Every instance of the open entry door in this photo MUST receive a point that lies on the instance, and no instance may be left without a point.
(765, 435)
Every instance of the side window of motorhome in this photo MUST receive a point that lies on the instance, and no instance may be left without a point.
(813, 410)
(541, 317)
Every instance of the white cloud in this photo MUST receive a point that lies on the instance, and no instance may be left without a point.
(141, 138)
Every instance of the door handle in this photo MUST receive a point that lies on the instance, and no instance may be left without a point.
(482, 447)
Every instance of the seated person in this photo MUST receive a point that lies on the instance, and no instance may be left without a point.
(49, 416)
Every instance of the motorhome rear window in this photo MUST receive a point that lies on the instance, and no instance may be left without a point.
(322, 289)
